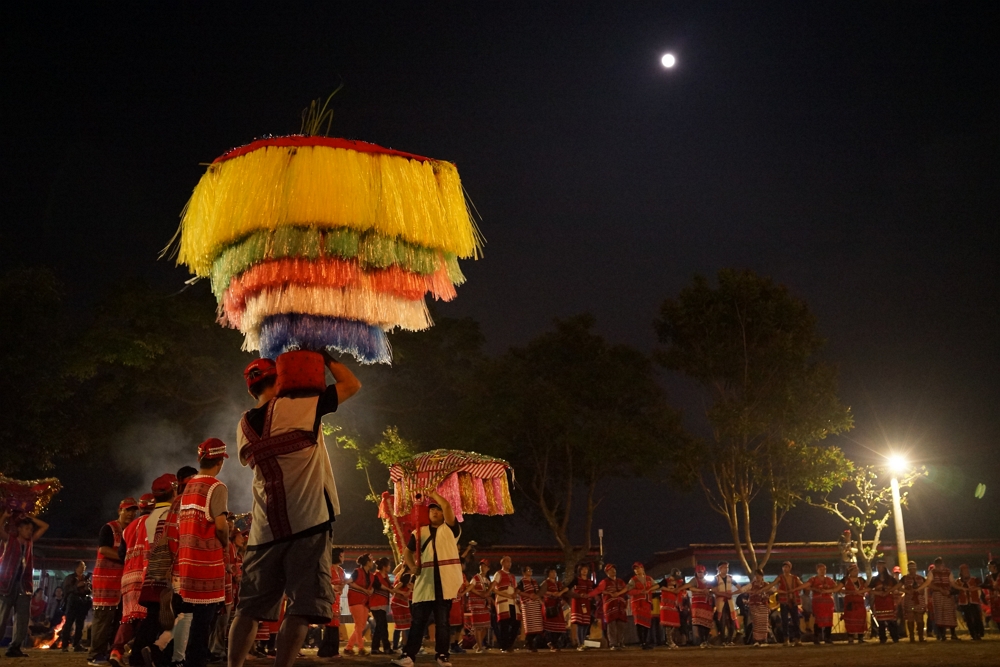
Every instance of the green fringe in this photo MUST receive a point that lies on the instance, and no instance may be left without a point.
(371, 250)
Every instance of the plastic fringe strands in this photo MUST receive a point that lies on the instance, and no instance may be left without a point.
(281, 333)
(28, 496)
(319, 183)
(371, 251)
(472, 483)
(320, 243)
(383, 310)
(335, 273)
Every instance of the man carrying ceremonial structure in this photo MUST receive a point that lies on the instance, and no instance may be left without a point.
(438, 582)
(15, 575)
(294, 503)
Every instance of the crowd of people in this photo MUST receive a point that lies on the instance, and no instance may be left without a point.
(176, 582)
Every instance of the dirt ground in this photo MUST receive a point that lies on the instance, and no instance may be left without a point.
(958, 654)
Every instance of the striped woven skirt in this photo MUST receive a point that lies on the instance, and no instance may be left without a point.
(531, 616)
(761, 616)
(823, 611)
(944, 610)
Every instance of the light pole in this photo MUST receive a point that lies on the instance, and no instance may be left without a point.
(897, 464)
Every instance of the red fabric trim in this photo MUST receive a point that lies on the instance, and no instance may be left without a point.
(330, 142)
(261, 451)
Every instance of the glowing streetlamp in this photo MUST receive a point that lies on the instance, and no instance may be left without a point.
(898, 465)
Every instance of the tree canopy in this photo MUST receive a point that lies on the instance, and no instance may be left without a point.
(570, 410)
(752, 347)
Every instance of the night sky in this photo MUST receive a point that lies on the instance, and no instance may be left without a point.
(848, 151)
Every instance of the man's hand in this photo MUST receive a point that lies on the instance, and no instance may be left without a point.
(347, 383)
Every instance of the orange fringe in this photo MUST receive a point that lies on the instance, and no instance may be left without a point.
(335, 273)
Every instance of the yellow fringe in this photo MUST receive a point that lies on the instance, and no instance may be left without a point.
(467, 493)
(508, 504)
(419, 202)
(491, 500)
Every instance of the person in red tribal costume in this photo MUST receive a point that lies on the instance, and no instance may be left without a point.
(883, 587)
(702, 606)
(822, 589)
(16, 564)
(401, 594)
(611, 589)
(725, 590)
(640, 590)
(581, 606)
(505, 591)
(969, 601)
(198, 537)
(134, 552)
(331, 631)
(294, 505)
(914, 602)
(552, 598)
(760, 611)
(532, 622)
(378, 603)
(855, 614)
(992, 587)
(359, 590)
(788, 604)
(108, 583)
(479, 590)
(670, 615)
(941, 583)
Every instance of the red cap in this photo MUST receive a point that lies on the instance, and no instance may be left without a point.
(147, 501)
(895, 569)
(213, 448)
(128, 503)
(258, 369)
(699, 569)
(164, 483)
(610, 566)
(484, 561)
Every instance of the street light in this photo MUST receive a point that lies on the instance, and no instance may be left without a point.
(897, 465)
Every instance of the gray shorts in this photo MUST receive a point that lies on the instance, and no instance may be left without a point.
(299, 569)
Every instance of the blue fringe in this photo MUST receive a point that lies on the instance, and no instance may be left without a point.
(280, 333)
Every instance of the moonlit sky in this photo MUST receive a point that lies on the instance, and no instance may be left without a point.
(849, 152)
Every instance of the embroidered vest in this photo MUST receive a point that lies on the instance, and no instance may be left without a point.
(337, 580)
(443, 547)
(200, 565)
(108, 574)
(133, 570)
(10, 561)
(262, 451)
(380, 597)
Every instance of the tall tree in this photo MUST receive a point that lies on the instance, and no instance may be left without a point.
(570, 410)
(752, 348)
(864, 505)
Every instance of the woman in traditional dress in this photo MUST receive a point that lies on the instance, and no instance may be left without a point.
(479, 591)
(331, 633)
(822, 589)
(883, 586)
(581, 606)
(941, 583)
(505, 591)
(670, 617)
(760, 610)
(552, 599)
(402, 591)
(528, 592)
(613, 606)
(640, 589)
(991, 585)
(358, 592)
(970, 601)
(378, 604)
(702, 606)
(855, 613)
(914, 602)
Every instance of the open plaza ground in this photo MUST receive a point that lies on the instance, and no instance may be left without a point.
(952, 654)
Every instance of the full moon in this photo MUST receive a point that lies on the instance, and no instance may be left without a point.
(668, 60)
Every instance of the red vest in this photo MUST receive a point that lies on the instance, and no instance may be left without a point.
(10, 560)
(108, 574)
(201, 569)
(380, 597)
(132, 573)
(364, 581)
